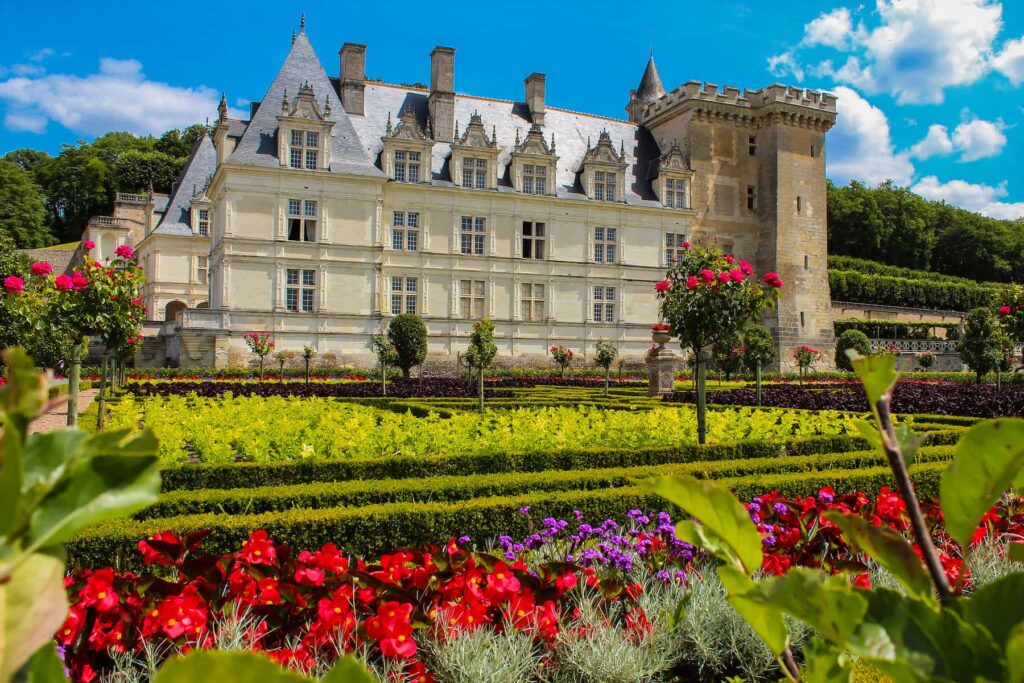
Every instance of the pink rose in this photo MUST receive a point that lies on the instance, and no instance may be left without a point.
(124, 251)
(78, 282)
(1004, 310)
(707, 275)
(41, 268)
(723, 277)
(62, 282)
(746, 267)
(88, 245)
(772, 279)
(737, 275)
(663, 286)
(729, 258)
(691, 282)
(14, 284)
(686, 245)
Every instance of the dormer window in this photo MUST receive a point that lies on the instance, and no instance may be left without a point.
(673, 179)
(603, 170)
(475, 156)
(305, 149)
(406, 149)
(305, 128)
(407, 166)
(203, 222)
(533, 163)
(604, 186)
(201, 214)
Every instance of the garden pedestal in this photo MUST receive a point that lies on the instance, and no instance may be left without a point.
(661, 369)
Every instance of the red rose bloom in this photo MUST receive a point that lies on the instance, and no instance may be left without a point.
(724, 277)
(41, 268)
(124, 251)
(691, 282)
(62, 282)
(663, 286)
(772, 279)
(78, 282)
(737, 275)
(1004, 310)
(14, 284)
(707, 275)
(88, 245)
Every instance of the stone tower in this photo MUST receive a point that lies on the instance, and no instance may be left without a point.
(759, 186)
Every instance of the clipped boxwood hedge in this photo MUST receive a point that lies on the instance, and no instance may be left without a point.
(454, 488)
(375, 529)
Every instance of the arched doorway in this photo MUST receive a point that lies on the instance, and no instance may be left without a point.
(172, 309)
(203, 304)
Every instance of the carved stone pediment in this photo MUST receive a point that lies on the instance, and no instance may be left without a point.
(304, 106)
(604, 153)
(408, 128)
(534, 144)
(475, 134)
(673, 159)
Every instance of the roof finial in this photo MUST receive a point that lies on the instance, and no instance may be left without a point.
(387, 131)
(622, 150)
(327, 105)
(302, 22)
(517, 137)
(293, 36)
(494, 135)
(456, 138)
(222, 109)
(552, 143)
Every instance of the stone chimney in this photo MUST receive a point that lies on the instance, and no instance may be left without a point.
(441, 102)
(353, 77)
(535, 97)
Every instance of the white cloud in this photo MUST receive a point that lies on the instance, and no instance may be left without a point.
(917, 49)
(979, 139)
(24, 122)
(971, 196)
(118, 97)
(935, 143)
(40, 55)
(1010, 62)
(860, 146)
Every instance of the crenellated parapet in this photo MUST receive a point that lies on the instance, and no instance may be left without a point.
(775, 104)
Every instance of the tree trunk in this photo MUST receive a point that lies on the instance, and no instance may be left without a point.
(73, 377)
(607, 370)
(384, 378)
(307, 372)
(261, 368)
(101, 398)
(481, 375)
(406, 373)
(702, 397)
(999, 380)
(757, 383)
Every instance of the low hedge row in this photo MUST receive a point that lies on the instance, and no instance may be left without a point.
(868, 267)
(897, 329)
(376, 529)
(453, 488)
(252, 475)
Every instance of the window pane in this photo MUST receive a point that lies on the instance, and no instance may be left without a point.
(399, 171)
(311, 209)
(312, 139)
(307, 300)
(296, 158)
(396, 304)
(414, 240)
(609, 254)
(309, 233)
(311, 155)
(413, 220)
(414, 173)
(398, 218)
(478, 245)
(399, 155)
(410, 284)
(291, 299)
(610, 234)
(598, 233)
(396, 283)
(599, 253)
(467, 177)
(292, 276)
(528, 228)
(481, 223)
(467, 223)
(538, 249)
(464, 308)
(294, 207)
(410, 304)
(309, 278)
(397, 239)
(414, 156)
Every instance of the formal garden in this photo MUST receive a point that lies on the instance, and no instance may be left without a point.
(294, 520)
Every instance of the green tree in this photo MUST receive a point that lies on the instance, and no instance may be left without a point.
(77, 184)
(851, 339)
(22, 212)
(386, 355)
(179, 143)
(135, 171)
(727, 355)
(758, 353)
(981, 346)
(604, 356)
(27, 159)
(408, 333)
(481, 352)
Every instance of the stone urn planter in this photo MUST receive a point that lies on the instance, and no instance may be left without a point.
(661, 364)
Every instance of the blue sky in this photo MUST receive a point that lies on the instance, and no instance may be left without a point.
(931, 91)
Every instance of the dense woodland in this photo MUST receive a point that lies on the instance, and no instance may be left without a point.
(48, 199)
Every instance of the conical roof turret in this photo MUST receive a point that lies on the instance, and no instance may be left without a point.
(650, 87)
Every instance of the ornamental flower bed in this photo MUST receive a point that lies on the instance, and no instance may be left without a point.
(398, 611)
(931, 398)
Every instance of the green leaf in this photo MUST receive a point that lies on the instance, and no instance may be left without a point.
(828, 604)
(718, 511)
(888, 548)
(1015, 655)
(876, 373)
(766, 621)
(33, 605)
(988, 459)
(998, 606)
(99, 488)
(348, 670)
(44, 667)
(870, 432)
(909, 442)
(825, 664)
(1015, 552)
(243, 667)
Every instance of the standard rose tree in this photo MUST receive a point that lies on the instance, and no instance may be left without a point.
(708, 297)
(562, 357)
(262, 344)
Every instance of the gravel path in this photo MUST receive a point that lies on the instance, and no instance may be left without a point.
(58, 419)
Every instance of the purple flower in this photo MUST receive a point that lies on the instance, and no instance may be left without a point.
(756, 518)
(504, 542)
(510, 556)
(754, 507)
(780, 508)
(525, 510)
(769, 540)
(825, 497)
(463, 540)
(579, 515)
(664, 575)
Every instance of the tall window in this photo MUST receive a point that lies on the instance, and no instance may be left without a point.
(472, 235)
(674, 249)
(604, 186)
(203, 216)
(202, 269)
(404, 292)
(300, 288)
(405, 231)
(471, 299)
(531, 301)
(305, 149)
(535, 179)
(604, 304)
(605, 245)
(474, 173)
(751, 198)
(533, 240)
(301, 220)
(407, 166)
(675, 193)
(752, 145)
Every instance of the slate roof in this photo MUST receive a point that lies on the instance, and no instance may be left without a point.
(650, 87)
(194, 177)
(356, 140)
(258, 145)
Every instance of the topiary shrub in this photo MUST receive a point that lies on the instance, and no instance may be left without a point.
(851, 339)
(408, 334)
